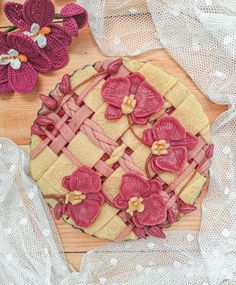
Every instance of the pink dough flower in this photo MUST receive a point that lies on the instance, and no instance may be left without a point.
(20, 58)
(142, 200)
(169, 144)
(35, 18)
(74, 17)
(84, 200)
(131, 95)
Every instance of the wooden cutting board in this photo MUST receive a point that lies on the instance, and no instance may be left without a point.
(17, 113)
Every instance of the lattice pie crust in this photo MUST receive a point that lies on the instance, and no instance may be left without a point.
(89, 152)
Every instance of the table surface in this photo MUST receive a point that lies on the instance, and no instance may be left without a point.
(17, 113)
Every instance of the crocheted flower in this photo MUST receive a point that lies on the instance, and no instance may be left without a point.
(84, 200)
(35, 18)
(74, 17)
(142, 200)
(20, 58)
(131, 95)
(169, 144)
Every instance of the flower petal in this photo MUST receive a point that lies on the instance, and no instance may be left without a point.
(96, 197)
(4, 85)
(34, 28)
(71, 9)
(24, 79)
(140, 232)
(39, 11)
(139, 120)
(71, 26)
(155, 186)
(135, 80)
(66, 183)
(192, 141)
(56, 51)
(85, 180)
(16, 64)
(41, 41)
(133, 185)
(168, 128)
(148, 99)
(13, 52)
(173, 161)
(3, 43)
(85, 213)
(155, 212)
(120, 203)
(115, 89)
(3, 73)
(156, 232)
(148, 137)
(61, 34)
(14, 13)
(113, 113)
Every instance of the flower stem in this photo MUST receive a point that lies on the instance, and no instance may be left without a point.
(57, 16)
(11, 29)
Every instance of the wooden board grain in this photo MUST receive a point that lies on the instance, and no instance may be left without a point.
(17, 113)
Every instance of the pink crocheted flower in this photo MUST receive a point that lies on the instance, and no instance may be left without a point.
(131, 95)
(74, 17)
(169, 144)
(20, 58)
(84, 200)
(35, 18)
(142, 200)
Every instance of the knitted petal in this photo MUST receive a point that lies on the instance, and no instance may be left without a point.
(168, 128)
(135, 80)
(14, 13)
(56, 51)
(148, 99)
(71, 9)
(71, 26)
(61, 34)
(4, 85)
(85, 213)
(23, 44)
(85, 180)
(133, 186)
(22, 80)
(39, 11)
(154, 213)
(82, 19)
(115, 89)
(173, 161)
(3, 43)
(113, 113)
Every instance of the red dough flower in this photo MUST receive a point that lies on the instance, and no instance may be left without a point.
(131, 95)
(74, 17)
(169, 144)
(142, 200)
(84, 200)
(35, 18)
(20, 58)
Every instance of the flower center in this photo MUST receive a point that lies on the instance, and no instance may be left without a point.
(21, 57)
(135, 204)
(128, 104)
(75, 197)
(160, 147)
(43, 31)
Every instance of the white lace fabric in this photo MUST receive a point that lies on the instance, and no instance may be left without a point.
(201, 36)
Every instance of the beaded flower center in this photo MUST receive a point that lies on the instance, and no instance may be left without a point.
(160, 147)
(135, 204)
(75, 197)
(128, 104)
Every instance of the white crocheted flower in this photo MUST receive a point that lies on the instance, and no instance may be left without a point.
(12, 58)
(38, 35)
